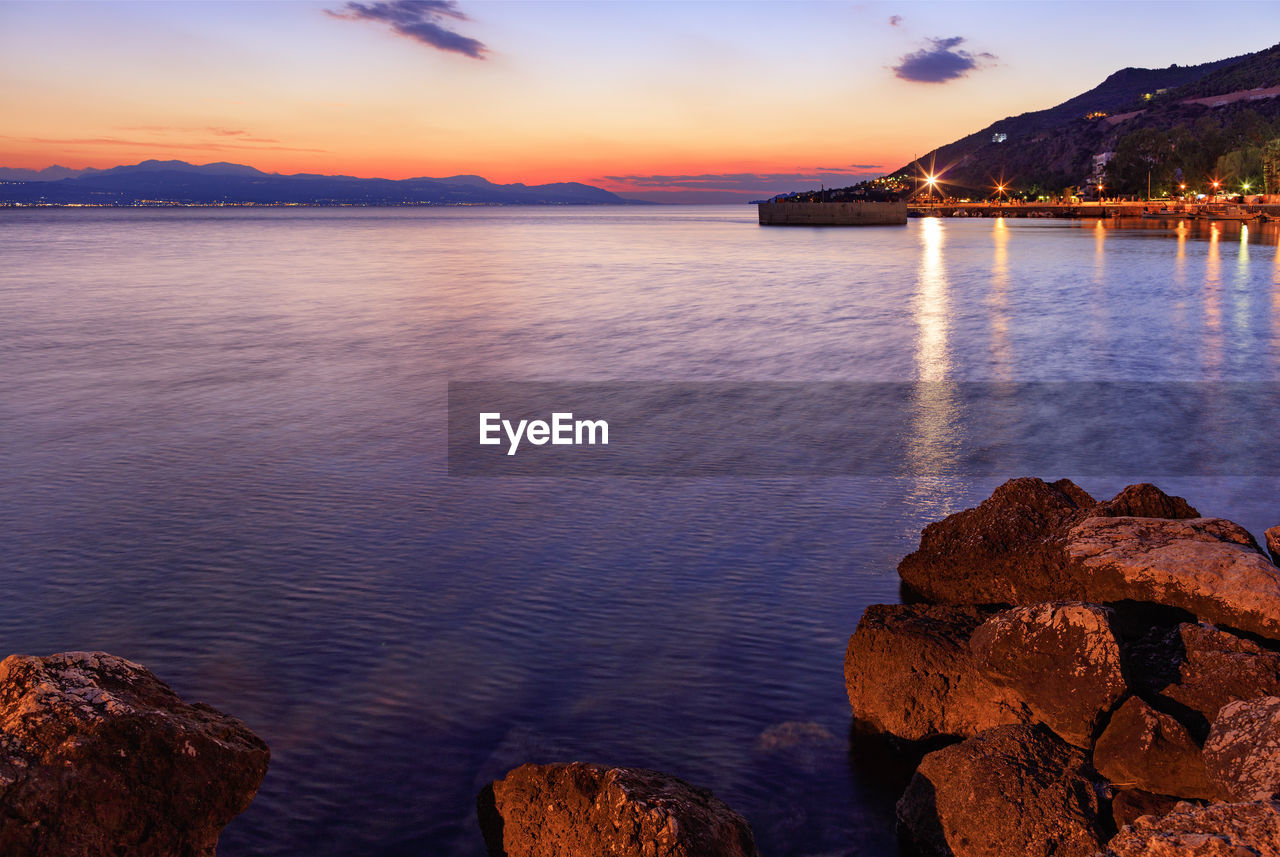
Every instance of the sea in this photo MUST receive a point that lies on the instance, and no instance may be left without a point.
(223, 455)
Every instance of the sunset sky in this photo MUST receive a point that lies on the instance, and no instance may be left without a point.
(675, 101)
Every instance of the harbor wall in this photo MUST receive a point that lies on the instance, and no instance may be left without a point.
(833, 213)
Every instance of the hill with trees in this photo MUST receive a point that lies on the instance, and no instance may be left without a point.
(1180, 125)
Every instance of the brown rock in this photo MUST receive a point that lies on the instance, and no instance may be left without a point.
(1129, 805)
(1217, 830)
(1007, 550)
(1011, 790)
(1273, 543)
(1011, 548)
(909, 672)
(1213, 668)
(583, 810)
(1146, 749)
(100, 757)
(1144, 500)
(1242, 752)
(1207, 566)
(1062, 661)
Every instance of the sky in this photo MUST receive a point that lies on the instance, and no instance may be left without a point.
(668, 101)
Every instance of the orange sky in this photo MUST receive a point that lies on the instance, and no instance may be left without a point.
(637, 97)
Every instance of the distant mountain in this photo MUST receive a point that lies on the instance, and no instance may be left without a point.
(177, 182)
(48, 174)
(1055, 148)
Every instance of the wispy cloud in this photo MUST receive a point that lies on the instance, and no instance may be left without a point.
(424, 21)
(750, 182)
(238, 134)
(941, 61)
(199, 145)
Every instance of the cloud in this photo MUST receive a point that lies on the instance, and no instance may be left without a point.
(895, 20)
(940, 62)
(421, 20)
(749, 182)
(117, 142)
(239, 134)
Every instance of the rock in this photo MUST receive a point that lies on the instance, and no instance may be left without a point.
(98, 756)
(1061, 660)
(1213, 668)
(1011, 548)
(584, 810)
(1004, 551)
(1129, 805)
(1273, 543)
(796, 735)
(1217, 830)
(1144, 500)
(1011, 790)
(1208, 567)
(1242, 753)
(909, 672)
(1152, 751)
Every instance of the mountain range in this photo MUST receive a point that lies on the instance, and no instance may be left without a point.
(178, 182)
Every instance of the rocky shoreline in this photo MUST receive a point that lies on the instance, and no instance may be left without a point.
(1066, 677)
(1070, 677)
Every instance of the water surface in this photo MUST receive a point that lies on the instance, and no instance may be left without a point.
(222, 455)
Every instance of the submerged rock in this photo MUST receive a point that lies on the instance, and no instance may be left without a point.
(98, 756)
(910, 673)
(1242, 752)
(1011, 790)
(1217, 830)
(583, 810)
(1062, 661)
(1149, 750)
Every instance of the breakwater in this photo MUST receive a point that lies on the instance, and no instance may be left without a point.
(833, 213)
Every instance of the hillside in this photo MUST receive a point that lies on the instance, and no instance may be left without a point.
(1139, 114)
(177, 182)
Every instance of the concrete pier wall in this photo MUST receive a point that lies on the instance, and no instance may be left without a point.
(833, 213)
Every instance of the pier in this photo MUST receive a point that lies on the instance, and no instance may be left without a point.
(1084, 210)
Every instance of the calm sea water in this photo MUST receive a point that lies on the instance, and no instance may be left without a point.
(222, 455)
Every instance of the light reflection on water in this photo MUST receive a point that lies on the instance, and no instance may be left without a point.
(223, 457)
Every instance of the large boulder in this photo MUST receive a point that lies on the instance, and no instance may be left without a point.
(1011, 790)
(101, 757)
(1208, 567)
(1012, 548)
(583, 810)
(1062, 661)
(1217, 830)
(1242, 753)
(1212, 668)
(910, 673)
(1152, 751)
(1273, 543)
(1007, 550)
